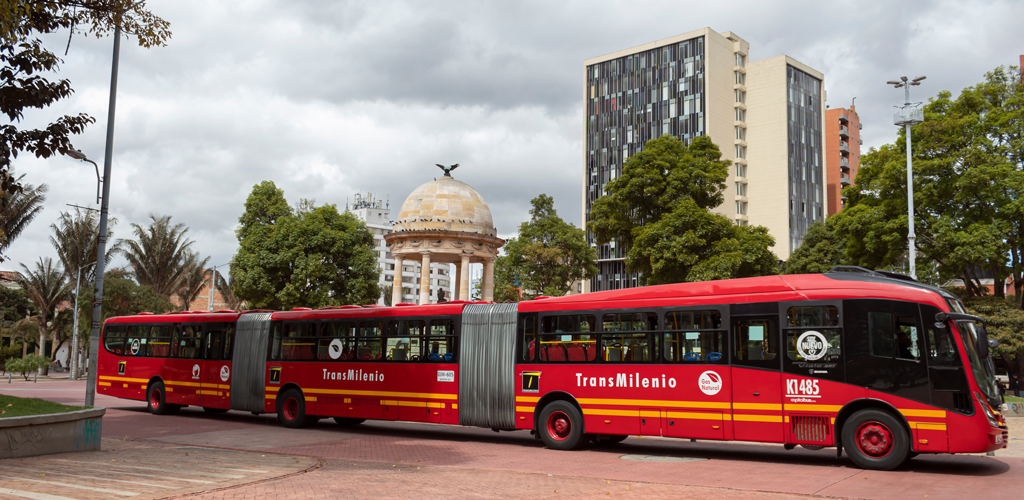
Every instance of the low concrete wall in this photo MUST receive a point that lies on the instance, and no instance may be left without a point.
(1013, 409)
(48, 434)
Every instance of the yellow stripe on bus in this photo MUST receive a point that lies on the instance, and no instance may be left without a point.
(186, 384)
(124, 379)
(527, 399)
(931, 426)
(420, 404)
(644, 402)
(757, 406)
(616, 413)
(823, 408)
(742, 417)
(697, 415)
(525, 409)
(104, 383)
(923, 413)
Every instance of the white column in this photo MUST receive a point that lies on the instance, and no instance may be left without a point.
(456, 285)
(487, 288)
(464, 292)
(396, 285)
(425, 279)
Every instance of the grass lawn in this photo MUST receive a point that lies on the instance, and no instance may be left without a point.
(1013, 399)
(11, 406)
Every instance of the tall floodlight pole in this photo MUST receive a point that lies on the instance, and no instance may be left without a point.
(907, 115)
(74, 336)
(101, 248)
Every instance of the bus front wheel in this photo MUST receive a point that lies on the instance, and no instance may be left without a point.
(156, 401)
(291, 409)
(561, 426)
(875, 440)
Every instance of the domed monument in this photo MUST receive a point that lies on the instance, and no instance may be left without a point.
(446, 221)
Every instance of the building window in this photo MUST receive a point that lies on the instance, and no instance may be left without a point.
(741, 96)
(741, 60)
(741, 115)
(741, 170)
(741, 152)
(741, 77)
(741, 133)
(741, 188)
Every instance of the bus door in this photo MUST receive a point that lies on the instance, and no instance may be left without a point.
(756, 375)
(216, 366)
(184, 378)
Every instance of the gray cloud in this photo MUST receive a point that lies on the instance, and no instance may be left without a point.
(329, 99)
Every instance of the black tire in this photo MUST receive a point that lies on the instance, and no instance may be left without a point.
(912, 454)
(875, 440)
(207, 409)
(561, 426)
(291, 409)
(349, 421)
(156, 400)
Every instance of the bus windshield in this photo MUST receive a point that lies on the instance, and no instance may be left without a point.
(984, 369)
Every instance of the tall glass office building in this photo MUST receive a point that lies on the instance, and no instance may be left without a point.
(690, 85)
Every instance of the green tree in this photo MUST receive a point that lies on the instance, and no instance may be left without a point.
(14, 305)
(17, 209)
(1006, 323)
(822, 249)
(75, 238)
(46, 286)
(659, 210)
(26, 62)
(546, 257)
(968, 190)
(159, 254)
(122, 296)
(192, 279)
(312, 257)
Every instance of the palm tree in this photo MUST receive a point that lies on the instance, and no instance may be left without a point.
(158, 254)
(47, 286)
(75, 237)
(18, 209)
(192, 280)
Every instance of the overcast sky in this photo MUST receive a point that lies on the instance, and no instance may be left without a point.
(329, 99)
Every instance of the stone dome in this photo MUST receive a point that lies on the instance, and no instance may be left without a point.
(446, 204)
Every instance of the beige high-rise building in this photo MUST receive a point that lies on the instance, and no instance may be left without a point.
(760, 114)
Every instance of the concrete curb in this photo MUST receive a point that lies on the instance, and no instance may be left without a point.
(1013, 409)
(54, 433)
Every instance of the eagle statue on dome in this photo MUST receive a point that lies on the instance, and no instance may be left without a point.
(447, 170)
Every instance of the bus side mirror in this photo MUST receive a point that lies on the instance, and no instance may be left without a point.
(993, 343)
(984, 342)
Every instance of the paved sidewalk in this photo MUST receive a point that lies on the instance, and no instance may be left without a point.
(141, 469)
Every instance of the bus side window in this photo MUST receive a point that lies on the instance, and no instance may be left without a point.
(229, 336)
(368, 346)
(571, 337)
(298, 341)
(159, 344)
(694, 343)
(880, 334)
(135, 340)
(528, 332)
(404, 340)
(113, 339)
(275, 341)
(190, 342)
(441, 345)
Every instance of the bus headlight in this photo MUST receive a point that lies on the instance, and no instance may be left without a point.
(991, 415)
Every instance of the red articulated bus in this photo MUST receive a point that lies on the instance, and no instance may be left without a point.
(870, 362)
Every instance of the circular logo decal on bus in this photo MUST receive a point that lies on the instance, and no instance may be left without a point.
(812, 345)
(135, 346)
(225, 373)
(710, 383)
(195, 371)
(334, 349)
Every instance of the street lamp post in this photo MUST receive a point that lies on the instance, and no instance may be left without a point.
(213, 287)
(907, 115)
(74, 336)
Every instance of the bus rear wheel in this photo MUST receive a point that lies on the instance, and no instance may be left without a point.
(291, 409)
(561, 426)
(349, 421)
(875, 440)
(156, 401)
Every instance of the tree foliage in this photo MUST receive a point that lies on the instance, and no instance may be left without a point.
(122, 296)
(546, 257)
(312, 256)
(193, 279)
(26, 62)
(1006, 323)
(968, 190)
(659, 209)
(76, 239)
(822, 249)
(46, 286)
(17, 209)
(27, 364)
(14, 305)
(159, 255)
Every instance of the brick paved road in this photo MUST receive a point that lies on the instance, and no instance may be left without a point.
(403, 460)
